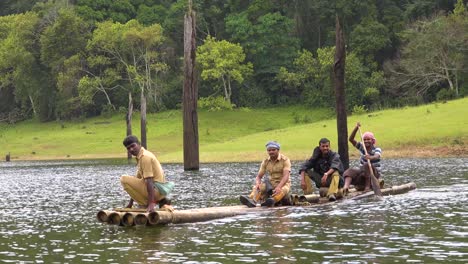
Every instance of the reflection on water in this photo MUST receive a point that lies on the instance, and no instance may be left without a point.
(47, 214)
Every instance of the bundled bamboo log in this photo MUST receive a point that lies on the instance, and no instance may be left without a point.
(388, 191)
(123, 216)
(194, 215)
(141, 219)
(103, 215)
(115, 218)
(132, 216)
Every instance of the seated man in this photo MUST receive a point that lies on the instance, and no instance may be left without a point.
(149, 186)
(360, 176)
(324, 168)
(278, 183)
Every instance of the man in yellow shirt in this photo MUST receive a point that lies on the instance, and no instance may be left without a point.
(278, 167)
(149, 186)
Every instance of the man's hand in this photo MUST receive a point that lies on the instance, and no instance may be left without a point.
(276, 191)
(150, 207)
(303, 183)
(324, 179)
(257, 186)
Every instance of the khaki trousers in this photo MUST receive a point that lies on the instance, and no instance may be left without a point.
(136, 188)
(261, 195)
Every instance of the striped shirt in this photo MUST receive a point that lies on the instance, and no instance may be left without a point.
(374, 150)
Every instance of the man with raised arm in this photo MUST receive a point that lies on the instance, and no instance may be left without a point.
(360, 176)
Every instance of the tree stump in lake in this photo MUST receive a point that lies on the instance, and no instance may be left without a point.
(7, 157)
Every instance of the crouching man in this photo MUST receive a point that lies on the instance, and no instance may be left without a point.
(149, 186)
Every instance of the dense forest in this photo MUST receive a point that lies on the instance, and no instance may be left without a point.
(70, 59)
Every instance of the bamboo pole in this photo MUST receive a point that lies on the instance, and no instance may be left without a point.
(141, 219)
(194, 215)
(128, 218)
(389, 191)
(103, 215)
(115, 218)
(141, 210)
(311, 198)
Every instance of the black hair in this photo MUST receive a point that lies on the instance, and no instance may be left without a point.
(130, 140)
(324, 140)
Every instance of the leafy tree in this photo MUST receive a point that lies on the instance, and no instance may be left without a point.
(60, 41)
(269, 45)
(224, 61)
(65, 37)
(19, 66)
(100, 76)
(8, 7)
(420, 9)
(116, 10)
(148, 15)
(135, 48)
(310, 79)
(433, 57)
(368, 38)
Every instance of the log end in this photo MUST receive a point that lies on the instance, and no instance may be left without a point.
(128, 219)
(141, 219)
(102, 216)
(114, 219)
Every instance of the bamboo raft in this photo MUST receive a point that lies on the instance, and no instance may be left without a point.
(133, 216)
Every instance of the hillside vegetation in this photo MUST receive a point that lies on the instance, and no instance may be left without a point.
(240, 135)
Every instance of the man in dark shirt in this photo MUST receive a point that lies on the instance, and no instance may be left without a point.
(324, 168)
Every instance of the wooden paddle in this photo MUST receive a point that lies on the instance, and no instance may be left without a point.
(374, 181)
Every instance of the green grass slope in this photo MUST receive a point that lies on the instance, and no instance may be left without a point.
(240, 135)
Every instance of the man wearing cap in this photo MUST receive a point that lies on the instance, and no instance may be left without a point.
(360, 176)
(278, 183)
(324, 168)
(149, 186)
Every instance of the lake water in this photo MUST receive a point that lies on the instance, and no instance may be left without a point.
(48, 215)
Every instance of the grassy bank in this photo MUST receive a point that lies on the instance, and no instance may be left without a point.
(429, 130)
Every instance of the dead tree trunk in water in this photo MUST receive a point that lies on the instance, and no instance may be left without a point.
(129, 120)
(143, 119)
(339, 77)
(190, 94)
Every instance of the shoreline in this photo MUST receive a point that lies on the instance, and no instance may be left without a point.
(460, 151)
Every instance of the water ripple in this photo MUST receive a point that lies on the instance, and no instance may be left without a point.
(47, 215)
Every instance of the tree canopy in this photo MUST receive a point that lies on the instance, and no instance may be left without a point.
(62, 59)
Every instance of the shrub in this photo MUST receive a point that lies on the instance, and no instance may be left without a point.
(371, 95)
(108, 110)
(214, 104)
(359, 110)
(445, 94)
(298, 119)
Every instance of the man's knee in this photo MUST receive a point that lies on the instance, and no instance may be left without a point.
(278, 197)
(124, 179)
(351, 172)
